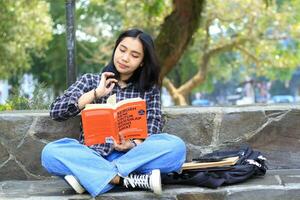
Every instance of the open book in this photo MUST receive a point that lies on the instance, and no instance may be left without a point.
(200, 165)
(102, 122)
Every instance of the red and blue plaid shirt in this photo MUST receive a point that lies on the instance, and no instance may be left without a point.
(66, 106)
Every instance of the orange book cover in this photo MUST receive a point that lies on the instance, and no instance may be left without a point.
(127, 118)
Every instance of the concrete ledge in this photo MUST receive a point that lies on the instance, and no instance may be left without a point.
(276, 185)
(274, 130)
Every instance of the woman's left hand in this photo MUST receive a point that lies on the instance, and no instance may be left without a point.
(125, 145)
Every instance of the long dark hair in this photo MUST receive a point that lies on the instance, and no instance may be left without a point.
(143, 77)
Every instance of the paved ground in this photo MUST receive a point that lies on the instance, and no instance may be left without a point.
(276, 184)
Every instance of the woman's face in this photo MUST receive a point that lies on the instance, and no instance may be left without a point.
(128, 56)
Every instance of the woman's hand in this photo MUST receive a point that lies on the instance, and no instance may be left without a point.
(125, 145)
(106, 84)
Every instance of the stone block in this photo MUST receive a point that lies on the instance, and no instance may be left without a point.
(50, 130)
(280, 139)
(4, 155)
(12, 171)
(24, 189)
(195, 128)
(28, 153)
(258, 180)
(290, 179)
(262, 194)
(13, 128)
(203, 196)
(237, 125)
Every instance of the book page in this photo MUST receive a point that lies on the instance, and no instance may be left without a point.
(130, 100)
(112, 105)
(97, 106)
(112, 99)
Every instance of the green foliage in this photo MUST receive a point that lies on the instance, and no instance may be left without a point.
(40, 100)
(268, 46)
(25, 29)
(5, 107)
(17, 101)
(98, 22)
(148, 14)
(52, 68)
(32, 38)
(184, 69)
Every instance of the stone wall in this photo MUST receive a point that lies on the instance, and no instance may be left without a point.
(274, 130)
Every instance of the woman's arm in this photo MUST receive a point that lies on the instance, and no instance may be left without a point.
(82, 92)
(66, 106)
(154, 115)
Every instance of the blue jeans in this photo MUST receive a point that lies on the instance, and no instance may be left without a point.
(94, 172)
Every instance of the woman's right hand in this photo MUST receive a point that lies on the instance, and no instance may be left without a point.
(106, 84)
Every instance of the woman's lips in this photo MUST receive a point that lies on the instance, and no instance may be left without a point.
(122, 66)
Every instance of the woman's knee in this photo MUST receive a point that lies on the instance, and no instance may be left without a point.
(175, 144)
(52, 150)
(48, 153)
(176, 153)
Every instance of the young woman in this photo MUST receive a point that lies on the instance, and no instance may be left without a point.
(132, 72)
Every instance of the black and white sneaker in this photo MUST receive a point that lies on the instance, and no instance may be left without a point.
(150, 181)
(74, 183)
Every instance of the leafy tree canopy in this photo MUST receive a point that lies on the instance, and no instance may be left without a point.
(25, 29)
(244, 36)
(235, 39)
(98, 22)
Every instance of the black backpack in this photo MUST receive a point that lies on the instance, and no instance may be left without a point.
(251, 163)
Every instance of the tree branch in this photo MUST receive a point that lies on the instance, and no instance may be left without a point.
(169, 86)
(227, 47)
(249, 54)
(202, 73)
(176, 96)
(197, 79)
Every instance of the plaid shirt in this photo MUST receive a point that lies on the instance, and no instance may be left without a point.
(66, 106)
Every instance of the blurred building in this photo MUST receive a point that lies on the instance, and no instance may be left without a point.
(295, 84)
(4, 88)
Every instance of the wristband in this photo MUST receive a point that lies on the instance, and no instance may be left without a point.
(133, 142)
(95, 94)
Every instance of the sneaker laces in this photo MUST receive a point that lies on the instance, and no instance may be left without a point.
(137, 180)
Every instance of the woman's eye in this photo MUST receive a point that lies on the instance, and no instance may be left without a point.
(122, 50)
(135, 56)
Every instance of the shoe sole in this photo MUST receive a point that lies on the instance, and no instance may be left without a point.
(72, 181)
(156, 183)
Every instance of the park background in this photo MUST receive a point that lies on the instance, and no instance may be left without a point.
(212, 53)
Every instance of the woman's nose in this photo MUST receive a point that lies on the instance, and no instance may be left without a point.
(125, 57)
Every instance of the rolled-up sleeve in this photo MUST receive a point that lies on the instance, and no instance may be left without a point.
(66, 106)
(154, 115)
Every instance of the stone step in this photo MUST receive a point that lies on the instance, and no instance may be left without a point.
(276, 184)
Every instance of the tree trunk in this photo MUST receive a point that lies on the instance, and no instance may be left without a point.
(177, 31)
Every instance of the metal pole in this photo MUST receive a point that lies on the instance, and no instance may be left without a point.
(71, 42)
